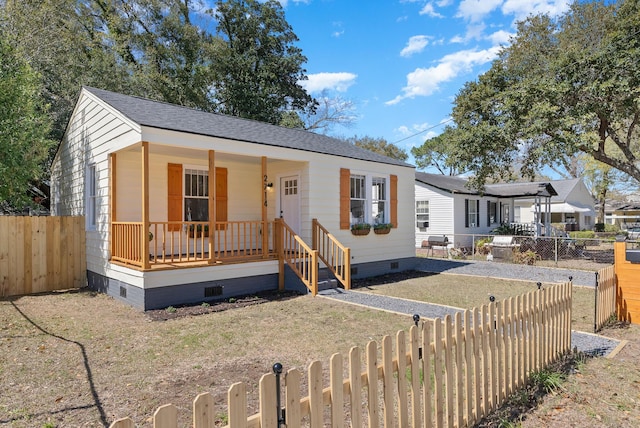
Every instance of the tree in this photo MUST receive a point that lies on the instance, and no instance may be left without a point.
(330, 111)
(24, 127)
(561, 88)
(379, 145)
(258, 68)
(438, 152)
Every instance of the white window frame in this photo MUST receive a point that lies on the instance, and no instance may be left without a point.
(422, 216)
(492, 220)
(197, 171)
(473, 212)
(91, 190)
(369, 198)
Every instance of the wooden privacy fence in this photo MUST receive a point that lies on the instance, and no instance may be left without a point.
(39, 254)
(605, 304)
(446, 373)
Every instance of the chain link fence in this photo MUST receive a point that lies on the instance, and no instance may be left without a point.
(561, 251)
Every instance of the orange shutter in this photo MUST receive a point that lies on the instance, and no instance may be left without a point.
(393, 193)
(221, 194)
(174, 197)
(345, 198)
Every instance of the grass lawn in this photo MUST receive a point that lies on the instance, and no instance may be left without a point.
(81, 359)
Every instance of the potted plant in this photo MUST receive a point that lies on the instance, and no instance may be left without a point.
(197, 230)
(360, 229)
(382, 228)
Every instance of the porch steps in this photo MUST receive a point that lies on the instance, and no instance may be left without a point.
(326, 280)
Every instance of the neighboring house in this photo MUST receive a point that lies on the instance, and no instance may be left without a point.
(572, 207)
(446, 206)
(625, 215)
(183, 206)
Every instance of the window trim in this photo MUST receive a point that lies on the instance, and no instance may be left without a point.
(427, 214)
(200, 170)
(467, 213)
(368, 197)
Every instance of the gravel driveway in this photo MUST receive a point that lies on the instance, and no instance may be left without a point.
(506, 270)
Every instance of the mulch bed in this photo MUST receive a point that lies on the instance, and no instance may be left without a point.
(208, 307)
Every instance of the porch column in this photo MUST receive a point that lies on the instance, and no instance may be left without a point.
(144, 233)
(112, 200)
(265, 224)
(212, 206)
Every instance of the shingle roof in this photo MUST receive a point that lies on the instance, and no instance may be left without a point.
(459, 185)
(172, 117)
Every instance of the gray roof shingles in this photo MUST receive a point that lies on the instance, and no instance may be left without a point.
(459, 185)
(172, 117)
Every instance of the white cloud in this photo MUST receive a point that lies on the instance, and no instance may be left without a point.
(426, 81)
(475, 10)
(500, 37)
(443, 3)
(522, 8)
(333, 81)
(416, 44)
(337, 33)
(429, 10)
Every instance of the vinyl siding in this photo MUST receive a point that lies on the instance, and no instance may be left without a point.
(90, 136)
(441, 213)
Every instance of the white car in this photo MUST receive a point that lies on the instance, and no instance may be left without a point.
(633, 234)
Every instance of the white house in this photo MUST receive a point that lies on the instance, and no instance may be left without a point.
(573, 206)
(447, 206)
(182, 206)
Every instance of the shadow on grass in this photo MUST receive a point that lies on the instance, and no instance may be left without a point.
(96, 399)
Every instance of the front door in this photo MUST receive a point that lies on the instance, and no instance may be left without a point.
(290, 201)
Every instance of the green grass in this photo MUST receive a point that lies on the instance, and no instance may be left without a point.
(467, 292)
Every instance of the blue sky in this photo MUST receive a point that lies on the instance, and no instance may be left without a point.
(401, 62)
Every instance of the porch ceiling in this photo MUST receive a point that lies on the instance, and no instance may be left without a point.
(182, 152)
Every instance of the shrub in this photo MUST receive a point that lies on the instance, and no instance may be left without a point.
(527, 257)
(583, 234)
(599, 227)
(481, 248)
(611, 228)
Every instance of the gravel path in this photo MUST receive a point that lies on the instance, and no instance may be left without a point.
(591, 344)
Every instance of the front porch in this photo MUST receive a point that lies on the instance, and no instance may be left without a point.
(202, 208)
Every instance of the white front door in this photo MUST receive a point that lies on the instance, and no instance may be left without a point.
(290, 201)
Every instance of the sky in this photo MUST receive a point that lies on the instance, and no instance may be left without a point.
(401, 62)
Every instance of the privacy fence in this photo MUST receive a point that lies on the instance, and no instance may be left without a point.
(443, 373)
(39, 254)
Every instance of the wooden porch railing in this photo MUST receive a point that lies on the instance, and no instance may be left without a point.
(301, 258)
(188, 242)
(336, 256)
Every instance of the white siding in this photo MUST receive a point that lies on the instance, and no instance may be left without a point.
(441, 213)
(89, 138)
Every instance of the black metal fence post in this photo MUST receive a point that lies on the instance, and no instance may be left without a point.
(416, 320)
(595, 306)
(277, 370)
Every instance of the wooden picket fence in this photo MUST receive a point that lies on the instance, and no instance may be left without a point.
(605, 305)
(39, 254)
(446, 373)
